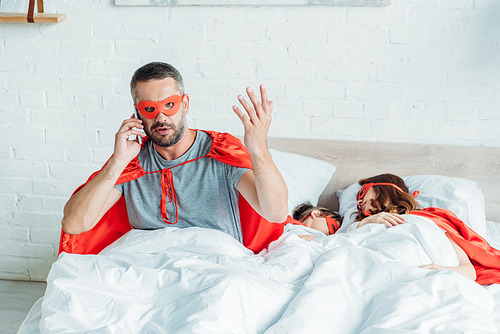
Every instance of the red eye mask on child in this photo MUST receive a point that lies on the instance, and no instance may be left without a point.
(333, 225)
(169, 106)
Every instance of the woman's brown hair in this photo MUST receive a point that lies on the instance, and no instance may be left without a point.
(388, 198)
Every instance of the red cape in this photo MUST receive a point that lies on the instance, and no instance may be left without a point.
(257, 232)
(484, 258)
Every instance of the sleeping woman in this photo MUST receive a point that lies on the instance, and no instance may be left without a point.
(371, 275)
(383, 199)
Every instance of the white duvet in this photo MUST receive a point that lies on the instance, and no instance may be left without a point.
(203, 281)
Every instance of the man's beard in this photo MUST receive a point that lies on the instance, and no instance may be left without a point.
(175, 135)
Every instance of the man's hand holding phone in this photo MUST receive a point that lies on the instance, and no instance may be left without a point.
(127, 148)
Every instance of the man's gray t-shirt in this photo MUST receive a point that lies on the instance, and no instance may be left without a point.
(206, 191)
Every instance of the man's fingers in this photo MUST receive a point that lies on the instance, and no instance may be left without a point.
(260, 107)
(131, 123)
(253, 98)
(263, 95)
(266, 104)
(256, 107)
(241, 115)
(130, 126)
(249, 109)
(130, 132)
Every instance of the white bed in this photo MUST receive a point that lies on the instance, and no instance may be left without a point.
(367, 281)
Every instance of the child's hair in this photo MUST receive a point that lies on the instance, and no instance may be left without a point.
(303, 210)
(390, 199)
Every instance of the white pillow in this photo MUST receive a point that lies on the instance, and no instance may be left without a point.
(305, 177)
(461, 196)
(347, 206)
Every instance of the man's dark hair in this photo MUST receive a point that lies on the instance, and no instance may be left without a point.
(155, 71)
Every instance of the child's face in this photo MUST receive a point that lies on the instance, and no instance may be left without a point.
(369, 202)
(317, 222)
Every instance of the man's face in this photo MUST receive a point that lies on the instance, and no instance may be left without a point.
(163, 130)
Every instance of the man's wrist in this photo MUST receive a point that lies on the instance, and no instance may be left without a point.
(261, 154)
(116, 166)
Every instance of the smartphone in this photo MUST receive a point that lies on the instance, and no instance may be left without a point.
(133, 137)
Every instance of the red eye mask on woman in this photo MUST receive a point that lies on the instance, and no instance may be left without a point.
(169, 106)
(368, 186)
(364, 189)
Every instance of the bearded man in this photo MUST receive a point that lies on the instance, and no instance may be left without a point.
(171, 175)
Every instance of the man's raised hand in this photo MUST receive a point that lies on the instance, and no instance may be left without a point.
(256, 120)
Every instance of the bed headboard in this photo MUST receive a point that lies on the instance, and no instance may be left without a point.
(356, 160)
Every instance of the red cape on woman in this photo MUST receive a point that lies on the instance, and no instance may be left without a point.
(484, 258)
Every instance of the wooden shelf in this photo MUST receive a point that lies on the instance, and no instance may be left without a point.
(38, 17)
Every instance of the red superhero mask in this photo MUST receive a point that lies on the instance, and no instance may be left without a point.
(333, 225)
(169, 106)
(364, 189)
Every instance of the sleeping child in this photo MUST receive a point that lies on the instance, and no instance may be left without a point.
(310, 222)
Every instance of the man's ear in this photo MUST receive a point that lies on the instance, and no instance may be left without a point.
(185, 103)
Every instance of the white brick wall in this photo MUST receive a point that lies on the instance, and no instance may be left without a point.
(417, 71)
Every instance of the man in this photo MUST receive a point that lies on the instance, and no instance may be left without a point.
(172, 178)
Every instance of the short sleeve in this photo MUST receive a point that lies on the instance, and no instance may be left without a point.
(119, 187)
(235, 173)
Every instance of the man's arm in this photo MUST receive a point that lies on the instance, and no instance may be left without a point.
(85, 208)
(263, 188)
